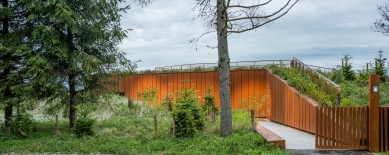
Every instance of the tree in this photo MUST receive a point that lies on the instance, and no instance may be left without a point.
(225, 18)
(380, 68)
(15, 48)
(347, 71)
(382, 25)
(76, 42)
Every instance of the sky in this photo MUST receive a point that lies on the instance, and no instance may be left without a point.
(317, 32)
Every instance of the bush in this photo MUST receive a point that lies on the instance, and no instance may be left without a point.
(189, 117)
(209, 106)
(84, 127)
(167, 101)
(184, 122)
(21, 124)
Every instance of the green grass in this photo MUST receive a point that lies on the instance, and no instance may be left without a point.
(353, 93)
(120, 130)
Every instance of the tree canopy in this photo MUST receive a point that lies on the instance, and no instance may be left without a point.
(66, 49)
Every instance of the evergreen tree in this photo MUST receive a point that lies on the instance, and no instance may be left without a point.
(380, 68)
(347, 71)
(15, 49)
(76, 42)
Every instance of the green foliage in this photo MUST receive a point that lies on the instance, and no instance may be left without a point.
(303, 83)
(337, 75)
(211, 110)
(347, 71)
(130, 131)
(240, 120)
(189, 117)
(84, 127)
(254, 103)
(185, 125)
(85, 110)
(130, 103)
(21, 124)
(138, 95)
(362, 78)
(380, 68)
(197, 68)
(168, 101)
(71, 55)
(150, 96)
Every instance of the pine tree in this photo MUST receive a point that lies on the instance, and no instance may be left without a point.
(380, 68)
(347, 71)
(15, 49)
(76, 42)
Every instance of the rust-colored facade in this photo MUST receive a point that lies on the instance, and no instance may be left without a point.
(244, 85)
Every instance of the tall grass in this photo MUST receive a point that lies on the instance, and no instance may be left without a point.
(123, 130)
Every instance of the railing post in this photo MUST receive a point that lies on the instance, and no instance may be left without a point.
(374, 98)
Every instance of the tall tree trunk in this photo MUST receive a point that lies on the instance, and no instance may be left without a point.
(72, 103)
(72, 80)
(224, 69)
(7, 92)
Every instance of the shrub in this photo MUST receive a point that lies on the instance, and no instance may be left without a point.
(184, 122)
(167, 101)
(84, 127)
(211, 110)
(189, 117)
(150, 96)
(21, 124)
(130, 103)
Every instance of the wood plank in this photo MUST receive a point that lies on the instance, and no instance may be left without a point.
(333, 141)
(386, 130)
(325, 132)
(317, 133)
(270, 136)
(342, 135)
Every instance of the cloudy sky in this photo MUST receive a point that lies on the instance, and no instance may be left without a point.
(318, 32)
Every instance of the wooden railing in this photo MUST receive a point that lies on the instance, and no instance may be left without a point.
(342, 128)
(238, 64)
(289, 107)
(384, 129)
(331, 88)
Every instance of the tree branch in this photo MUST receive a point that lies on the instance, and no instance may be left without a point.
(264, 23)
(195, 41)
(248, 7)
(262, 17)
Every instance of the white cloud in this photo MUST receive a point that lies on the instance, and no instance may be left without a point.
(317, 32)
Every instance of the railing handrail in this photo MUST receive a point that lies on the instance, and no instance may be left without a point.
(236, 62)
(322, 76)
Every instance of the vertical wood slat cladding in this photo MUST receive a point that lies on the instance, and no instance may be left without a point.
(244, 85)
(289, 107)
(384, 129)
(342, 128)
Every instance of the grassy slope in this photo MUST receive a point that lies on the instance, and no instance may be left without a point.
(353, 94)
(122, 130)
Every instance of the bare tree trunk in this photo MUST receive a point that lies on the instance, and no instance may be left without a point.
(224, 69)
